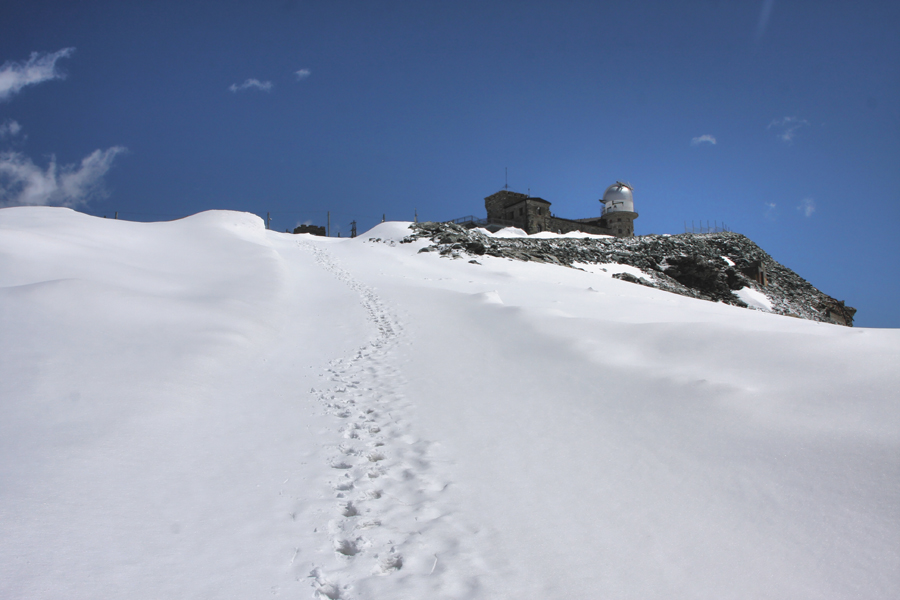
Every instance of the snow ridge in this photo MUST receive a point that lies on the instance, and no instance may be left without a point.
(387, 488)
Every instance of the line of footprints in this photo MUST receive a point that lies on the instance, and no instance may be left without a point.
(380, 471)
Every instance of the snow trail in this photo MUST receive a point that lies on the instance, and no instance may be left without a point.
(394, 528)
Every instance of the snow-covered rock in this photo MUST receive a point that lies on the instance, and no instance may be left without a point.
(713, 266)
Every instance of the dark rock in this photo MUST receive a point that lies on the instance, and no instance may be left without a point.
(692, 265)
(632, 279)
(475, 247)
(706, 275)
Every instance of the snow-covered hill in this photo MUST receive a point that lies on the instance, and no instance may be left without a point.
(206, 409)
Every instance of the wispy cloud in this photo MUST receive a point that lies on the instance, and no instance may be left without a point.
(704, 139)
(23, 183)
(265, 86)
(786, 128)
(39, 67)
(807, 206)
(764, 16)
(302, 74)
(770, 210)
(9, 128)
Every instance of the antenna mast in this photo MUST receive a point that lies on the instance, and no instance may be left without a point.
(506, 178)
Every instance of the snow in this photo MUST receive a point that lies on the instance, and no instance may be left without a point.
(728, 260)
(610, 269)
(515, 232)
(754, 298)
(509, 232)
(203, 408)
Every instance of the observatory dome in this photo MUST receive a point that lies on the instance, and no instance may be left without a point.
(618, 198)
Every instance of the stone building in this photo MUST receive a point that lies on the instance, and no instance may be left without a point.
(512, 209)
(313, 229)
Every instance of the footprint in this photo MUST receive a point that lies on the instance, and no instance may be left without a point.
(369, 524)
(389, 564)
(324, 588)
(343, 486)
(347, 547)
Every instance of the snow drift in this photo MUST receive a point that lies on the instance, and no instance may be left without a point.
(204, 408)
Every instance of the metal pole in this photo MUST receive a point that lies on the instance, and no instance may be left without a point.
(328, 224)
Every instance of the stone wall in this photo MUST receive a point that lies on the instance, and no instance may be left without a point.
(559, 225)
(498, 205)
(537, 215)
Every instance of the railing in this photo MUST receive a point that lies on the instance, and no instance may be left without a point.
(468, 219)
(476, 222)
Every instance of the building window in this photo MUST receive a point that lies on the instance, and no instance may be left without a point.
(521, 211)
(539, 210)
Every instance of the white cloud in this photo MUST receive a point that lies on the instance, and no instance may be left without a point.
(22, 183)
(302, 74)
(807, 207)
(787, 127)
(9, 129)
(265, 86)
(39, 67)
(703, 139)
(770, 211)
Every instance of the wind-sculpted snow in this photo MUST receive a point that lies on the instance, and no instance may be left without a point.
(207, 409)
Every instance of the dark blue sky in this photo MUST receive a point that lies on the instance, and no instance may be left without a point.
(405, 106)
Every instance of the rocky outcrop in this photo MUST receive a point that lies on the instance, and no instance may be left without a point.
(710, 266)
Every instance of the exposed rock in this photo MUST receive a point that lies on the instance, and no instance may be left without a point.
(632, 279)
(475, 247)
(711, 266)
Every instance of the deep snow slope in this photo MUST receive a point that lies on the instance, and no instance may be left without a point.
(203, 408)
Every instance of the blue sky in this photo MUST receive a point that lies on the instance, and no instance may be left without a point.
(780, 119)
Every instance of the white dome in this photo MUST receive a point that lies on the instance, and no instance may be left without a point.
(618, 198)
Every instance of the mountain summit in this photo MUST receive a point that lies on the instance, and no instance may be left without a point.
(204, 408)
